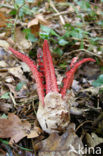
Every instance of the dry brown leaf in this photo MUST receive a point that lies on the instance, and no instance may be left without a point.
(5, 107)
(9, 79)
(3, 64)
(34, 24)
(21, 42)
(25, 67)
(42, 20)
(17, 72)
(14, 128)
(12, 89)
(93, 140)
(3, 19)
(4, 44)
(2, 152)
(39, 19)
(56, 145)
(34, 132)
(35, 30)
(36, 2)
(2, 35)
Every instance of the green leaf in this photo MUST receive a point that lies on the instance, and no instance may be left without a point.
(4, 116)
(19, 86)
(25, 10)
(34, 9)
(44, 35)
(58, 51)
(29, 35)
(81, 45)
(46, 32)
(84, 4)
(63, 65)
(13, 12)
(63, 42)
(45, 29)
(6, 96)
(30, 1)
(98, 82)
(52, 32)
(19, 2)
(78, 33)
(100, 23)
(4, 141)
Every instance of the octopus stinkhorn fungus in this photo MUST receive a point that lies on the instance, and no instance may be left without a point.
(54, 111)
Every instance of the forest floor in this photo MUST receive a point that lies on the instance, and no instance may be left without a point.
(73, 29)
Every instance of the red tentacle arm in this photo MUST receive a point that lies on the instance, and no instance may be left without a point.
(51, 82)
(74, 60)
(67, 81)
(41, 66)
(34, 70)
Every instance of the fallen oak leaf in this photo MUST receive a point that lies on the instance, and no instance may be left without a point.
(14, 128)
(67, 144)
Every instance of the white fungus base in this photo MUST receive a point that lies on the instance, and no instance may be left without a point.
(54, 116)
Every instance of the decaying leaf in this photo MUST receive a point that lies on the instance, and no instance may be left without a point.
(3, 64)
(4, 44)
(14, 128)
(17, 72)
(3, 19)
(66, 145)
(38, 19)
(21, 42)
(93, 140)
(2, 35)
(36, 2)
(5, 107)
(34, 132)
(25, 67)
(9, 79)
(34, 24)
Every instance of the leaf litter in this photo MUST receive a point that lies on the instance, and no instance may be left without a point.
(15, 129)
(13, 72)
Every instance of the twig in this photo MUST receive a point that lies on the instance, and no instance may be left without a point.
(99, 118)
(6, 6)
(58, 14)
(87, 121)
(54, 8)
(78, 50)
(14, 102)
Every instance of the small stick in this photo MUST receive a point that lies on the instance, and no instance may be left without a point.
(54, 8)
(12, 98)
